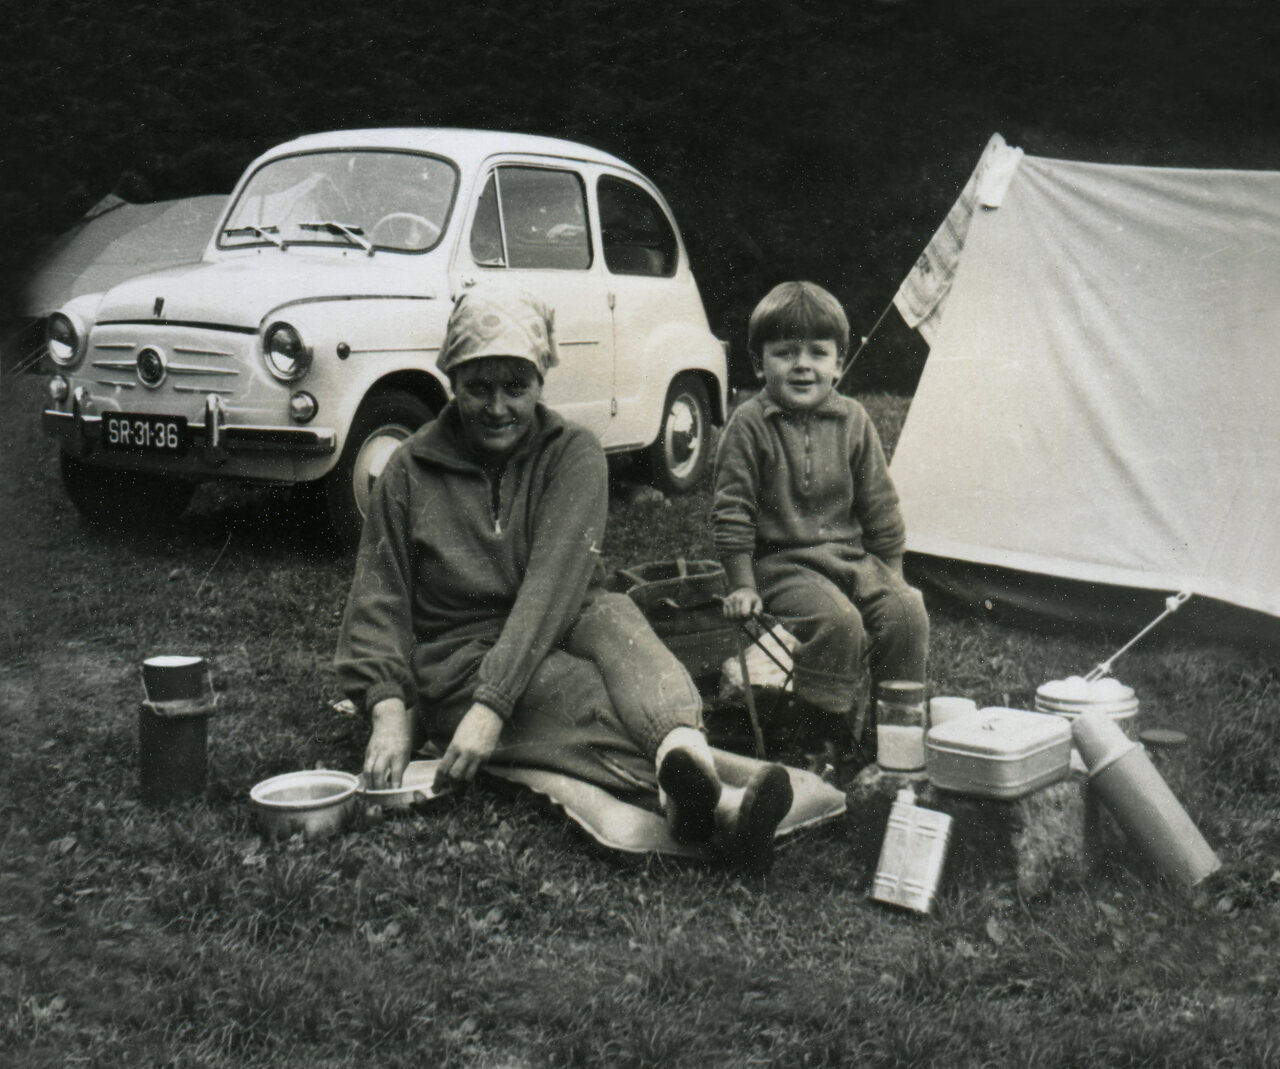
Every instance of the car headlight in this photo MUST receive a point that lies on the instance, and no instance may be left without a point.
(64, 337)
(287, 356)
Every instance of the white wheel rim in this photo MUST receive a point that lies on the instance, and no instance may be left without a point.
(682, 436)
(372, 458)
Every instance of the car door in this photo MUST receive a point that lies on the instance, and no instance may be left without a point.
(641, 256)
(529, 228)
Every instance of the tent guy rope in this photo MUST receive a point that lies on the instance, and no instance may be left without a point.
(1171, 605)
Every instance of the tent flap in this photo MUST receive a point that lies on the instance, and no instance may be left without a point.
(923, 292)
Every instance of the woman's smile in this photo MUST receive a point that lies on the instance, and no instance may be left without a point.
(497, 397)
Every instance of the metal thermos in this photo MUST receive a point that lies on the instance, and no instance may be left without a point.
(1122, 775)
(173, 728)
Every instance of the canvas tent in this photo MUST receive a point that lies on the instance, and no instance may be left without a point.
(1101, 401)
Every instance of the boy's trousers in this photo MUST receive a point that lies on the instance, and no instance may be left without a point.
(843, 605)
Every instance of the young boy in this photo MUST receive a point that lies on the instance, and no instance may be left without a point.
(805, 518)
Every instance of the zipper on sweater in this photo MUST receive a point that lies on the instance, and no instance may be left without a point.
(808, 454)
(495, 501)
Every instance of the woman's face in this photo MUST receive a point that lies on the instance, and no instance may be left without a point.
(496, 400)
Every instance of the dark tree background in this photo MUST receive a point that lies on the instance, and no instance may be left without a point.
(798, 138)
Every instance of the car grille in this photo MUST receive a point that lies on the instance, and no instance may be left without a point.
(194, 360)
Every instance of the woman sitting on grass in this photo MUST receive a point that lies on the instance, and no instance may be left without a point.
(477, 616)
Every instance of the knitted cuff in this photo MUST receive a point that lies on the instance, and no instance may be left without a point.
(500, 703)
(380, 692)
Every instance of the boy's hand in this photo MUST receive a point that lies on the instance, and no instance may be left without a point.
(743, 604)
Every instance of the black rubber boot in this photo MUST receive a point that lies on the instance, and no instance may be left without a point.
(693, 791)
(748, 836)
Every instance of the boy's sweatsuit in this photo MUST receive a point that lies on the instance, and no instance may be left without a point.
(807, 496)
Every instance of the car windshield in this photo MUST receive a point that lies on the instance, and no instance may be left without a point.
(397, 201)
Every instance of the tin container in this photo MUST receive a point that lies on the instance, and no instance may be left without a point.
(944, 708)
(912, 855)
(999, 753)
(1071, 697)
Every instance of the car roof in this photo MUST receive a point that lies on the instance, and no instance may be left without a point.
(463, 146)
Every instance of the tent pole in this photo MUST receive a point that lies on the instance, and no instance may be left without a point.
(858, 352)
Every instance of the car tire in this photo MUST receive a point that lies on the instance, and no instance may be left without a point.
(124, 500)
(383, 421)
(679, 456)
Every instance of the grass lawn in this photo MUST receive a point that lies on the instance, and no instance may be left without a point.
(490, 932)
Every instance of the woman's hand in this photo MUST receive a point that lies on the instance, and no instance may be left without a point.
(743, 604)
(390, 744)
(471, 746)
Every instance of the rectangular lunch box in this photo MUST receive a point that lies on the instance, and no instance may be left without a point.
(998, 752)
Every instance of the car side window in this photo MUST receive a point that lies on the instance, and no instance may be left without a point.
(636, 234)
(486, 230)
(532, 217)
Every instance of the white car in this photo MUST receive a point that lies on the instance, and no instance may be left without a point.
(301, 347)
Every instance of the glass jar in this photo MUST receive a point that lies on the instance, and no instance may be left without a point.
(900, 719)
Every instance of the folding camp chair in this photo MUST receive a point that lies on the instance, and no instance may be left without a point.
(684, 602)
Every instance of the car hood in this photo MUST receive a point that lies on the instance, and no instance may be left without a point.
(244, 291)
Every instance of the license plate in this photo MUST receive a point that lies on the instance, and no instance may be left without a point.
(144, 433)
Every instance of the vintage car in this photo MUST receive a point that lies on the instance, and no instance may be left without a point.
(301, 347)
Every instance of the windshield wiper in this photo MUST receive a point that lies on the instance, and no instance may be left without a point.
(353, 233)
(267, 233)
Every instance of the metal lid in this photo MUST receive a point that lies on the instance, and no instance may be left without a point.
(1078, 691)
(1166, 737)
(1000, 732)
(1120, 708)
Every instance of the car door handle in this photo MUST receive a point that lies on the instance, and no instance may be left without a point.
(467, 281)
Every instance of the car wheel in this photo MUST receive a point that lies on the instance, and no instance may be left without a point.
(124, 500)
(679, 456)
(383, 421)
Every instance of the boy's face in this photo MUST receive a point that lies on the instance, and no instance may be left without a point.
(799, 373)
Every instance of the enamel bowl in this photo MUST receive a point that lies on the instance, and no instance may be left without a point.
(315, 801)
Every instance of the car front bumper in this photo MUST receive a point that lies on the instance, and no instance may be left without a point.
(214, 440)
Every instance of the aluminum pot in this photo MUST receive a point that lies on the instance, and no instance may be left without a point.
(315, 801)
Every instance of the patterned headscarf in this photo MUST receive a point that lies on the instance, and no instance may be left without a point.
(493, 321)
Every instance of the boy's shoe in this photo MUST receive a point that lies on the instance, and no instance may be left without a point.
(748, 829)
(689, 780)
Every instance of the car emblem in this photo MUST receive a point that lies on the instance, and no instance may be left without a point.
(157, 309)
(151, 367)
